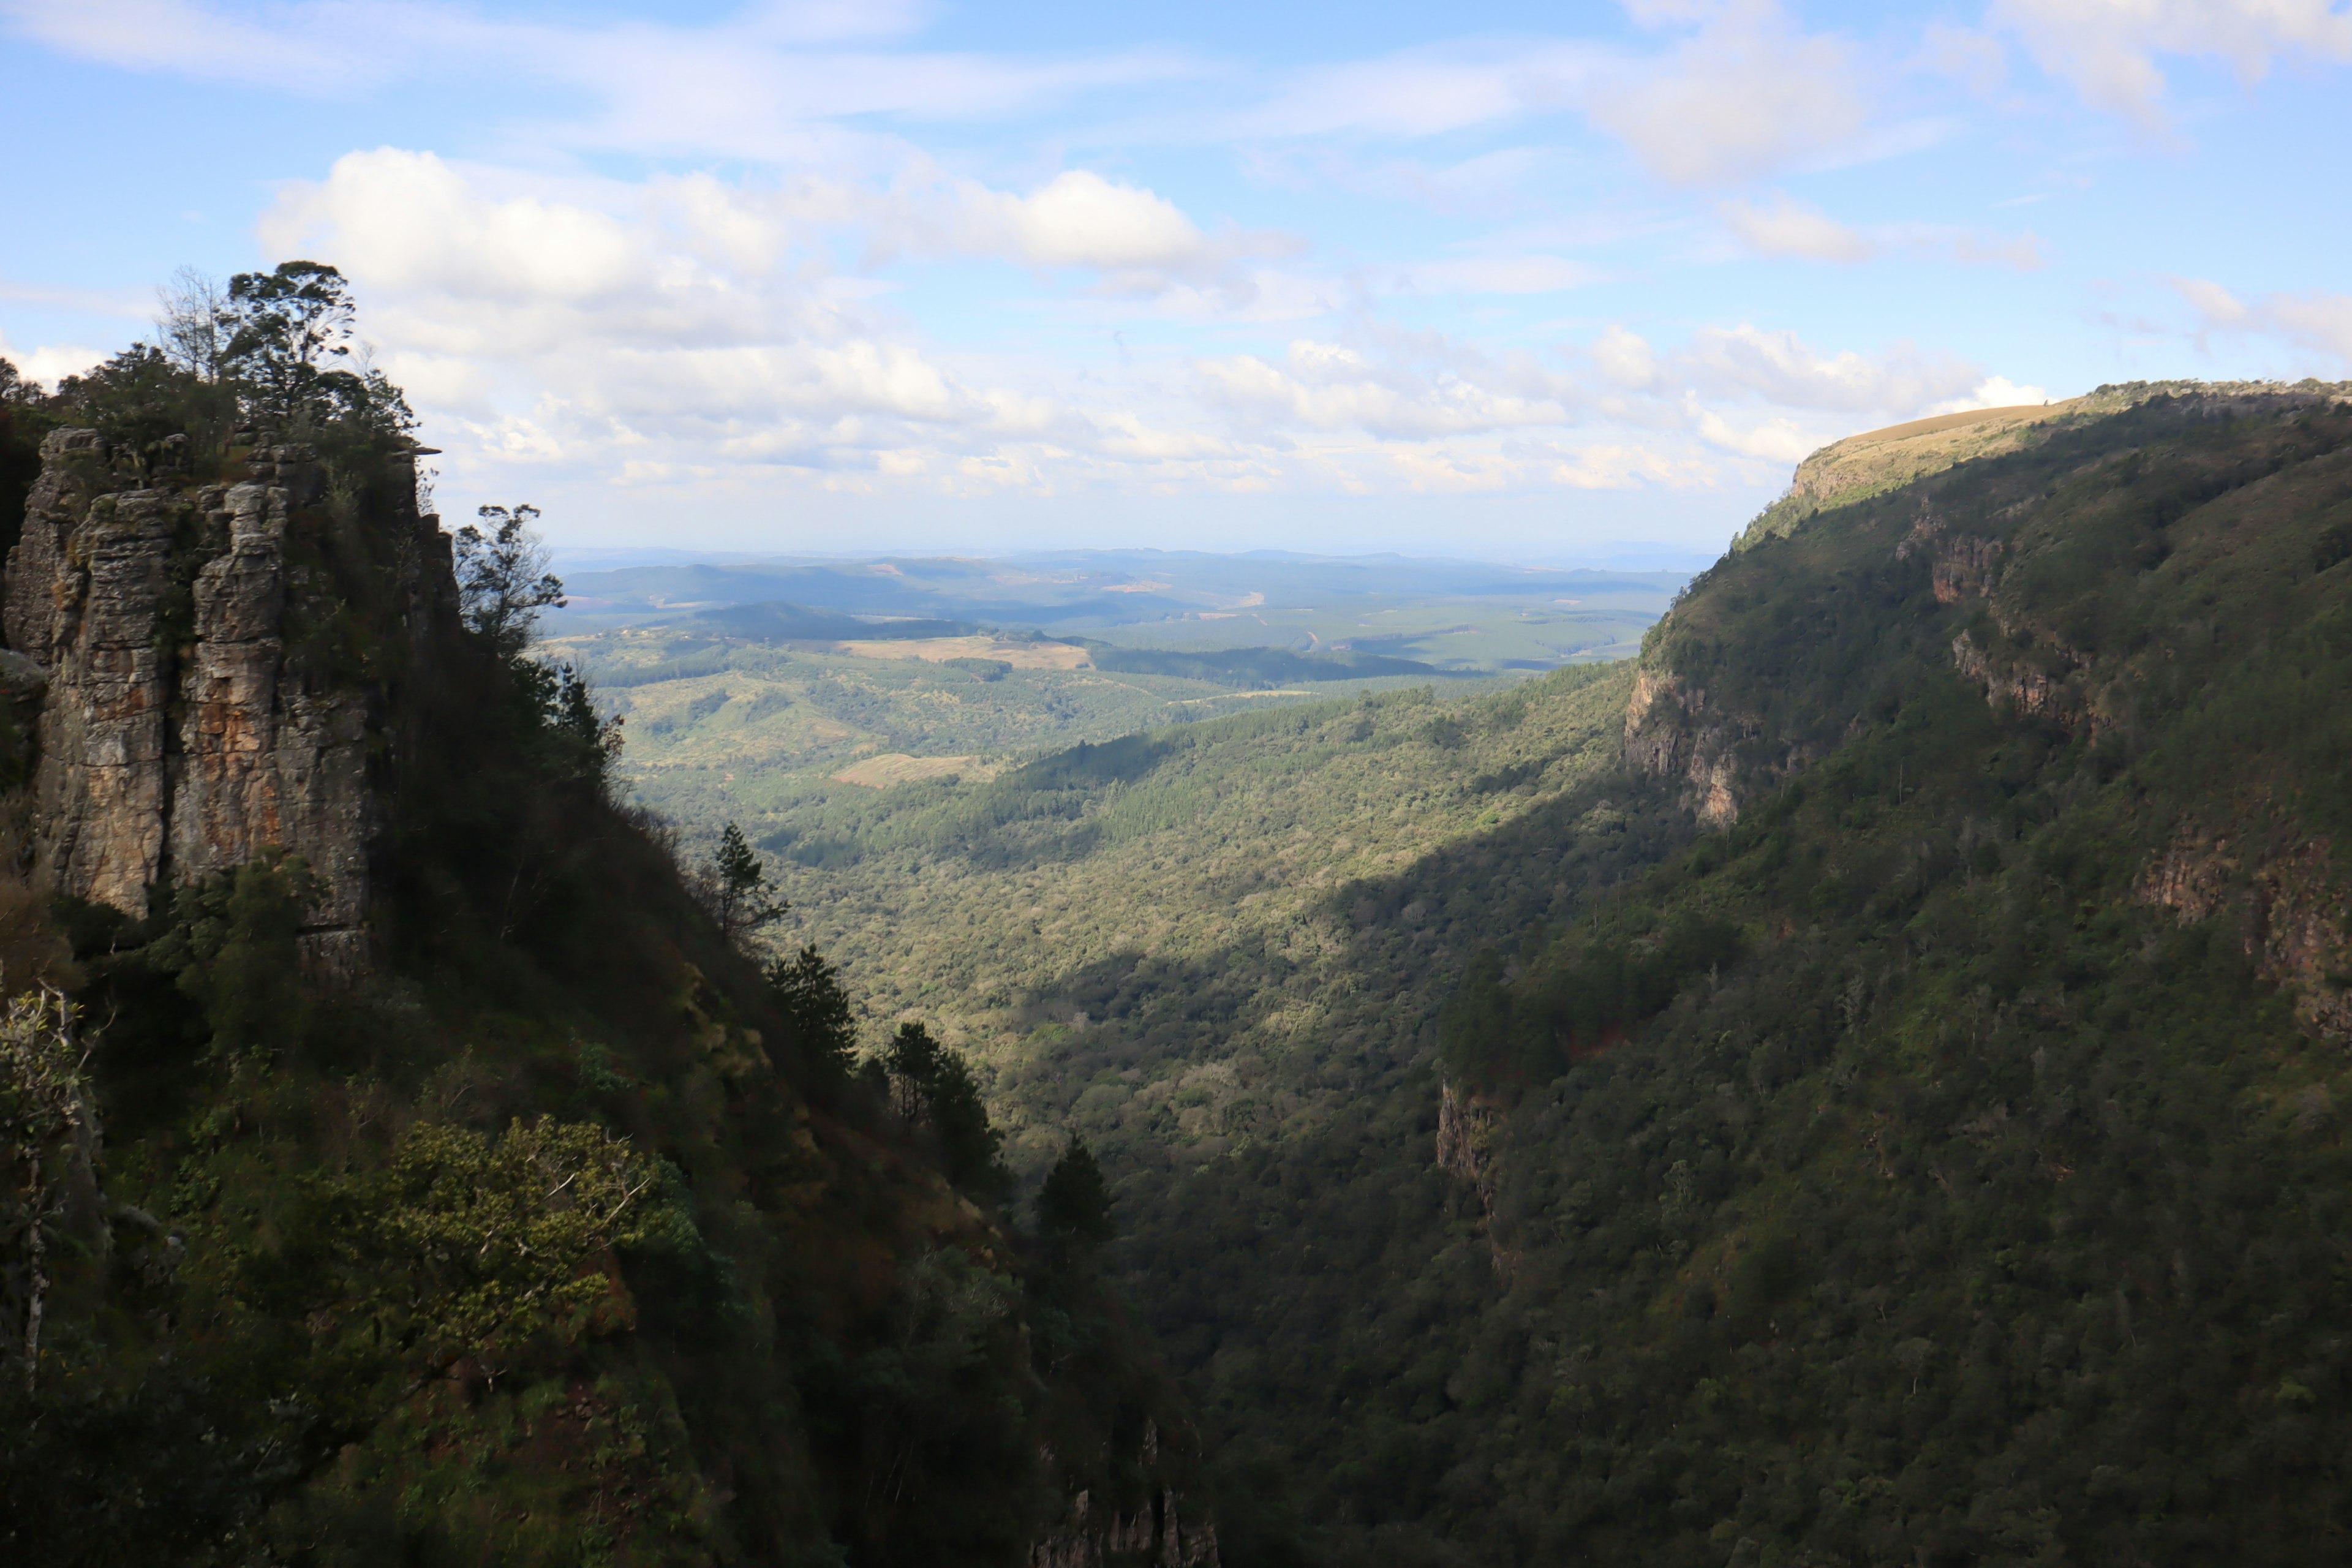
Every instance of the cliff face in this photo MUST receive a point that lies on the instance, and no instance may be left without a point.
(1670, 735)
(193, 716)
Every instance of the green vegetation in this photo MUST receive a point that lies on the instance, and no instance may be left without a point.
(1862, 1087)
(559, 1230)
(1457, 615)
(748, 731)
(1942, 1163)
(1251, 665)
(778, 622)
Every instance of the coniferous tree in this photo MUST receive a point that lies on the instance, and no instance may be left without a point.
(810, 994)
(1073, 1206)
(743, 895)
(935, 1089)
(912, 1060)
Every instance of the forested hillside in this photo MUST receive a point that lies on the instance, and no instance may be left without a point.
(407, 1159)
(1861, 1086)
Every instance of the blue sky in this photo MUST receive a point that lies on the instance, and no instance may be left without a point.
(1536, 283)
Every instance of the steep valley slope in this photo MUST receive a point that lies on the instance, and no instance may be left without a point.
(402, 1160)
(1860, 1085)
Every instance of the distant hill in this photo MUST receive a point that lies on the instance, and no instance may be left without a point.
(1251, 665)
(773, 620)
(1449, 614)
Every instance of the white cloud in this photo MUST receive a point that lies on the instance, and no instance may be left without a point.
(1754, 395)
(1790, 227)
(675, 315)
(1993, 392)
(48, 364)
(1080, 219)
(759, 331)
(1429, 91)
(1964, 55)
(759, 83)
(1781, 440)
(1337, 387)
(2315, 322)
(1138, 241)
(1750, 93)
(2108, 50)
(2215, 305)
(1779, 368)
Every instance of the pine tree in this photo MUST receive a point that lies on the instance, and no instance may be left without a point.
(809, 993)
(1073, 1206)
(935, 1089)
(744, 898)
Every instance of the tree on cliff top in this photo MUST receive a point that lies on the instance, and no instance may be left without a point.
(290, 345)
(503, 577)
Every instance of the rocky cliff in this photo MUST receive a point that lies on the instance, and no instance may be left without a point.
(206, 699)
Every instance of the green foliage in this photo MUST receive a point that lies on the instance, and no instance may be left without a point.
(309, 1304)
(503, 582)
(471, 1245)
(1884, 1177)
(288, 331)
(1577, 999)
(816, 1010)
(1073, 1202)
(934, 1089)
(48, 1145)
(157, 416)
(1251, 665)
(165, 1472)
(23, 423)
(233, 944)
(563, 719)
(743, 897)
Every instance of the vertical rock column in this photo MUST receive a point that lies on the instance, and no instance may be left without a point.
(225, 790)
(263, 762)
(179, 742)
(102, 783)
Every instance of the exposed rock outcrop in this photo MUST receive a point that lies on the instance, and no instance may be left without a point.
(1669, 732)
(2294, 920)
(2047, 687)
(179, 733)
(1465, 1124)
(1159, 1530)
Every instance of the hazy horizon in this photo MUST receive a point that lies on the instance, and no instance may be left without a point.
(1510, 282)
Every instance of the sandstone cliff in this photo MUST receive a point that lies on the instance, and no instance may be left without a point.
(206, 697)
